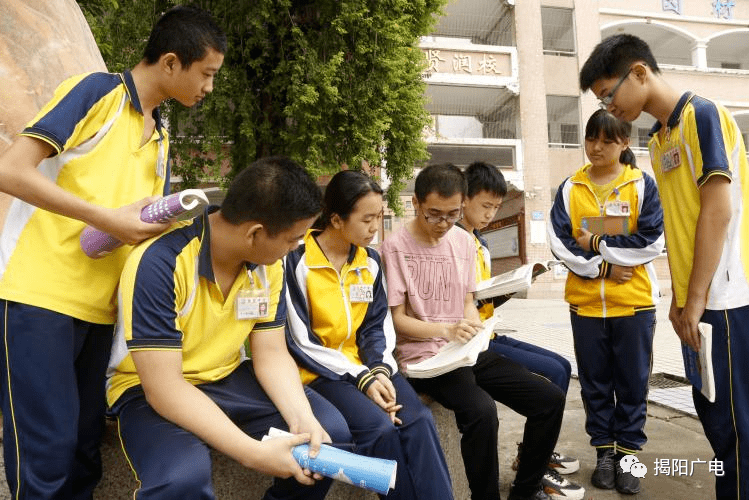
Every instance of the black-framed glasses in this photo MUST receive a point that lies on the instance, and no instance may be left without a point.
(607, 100)
(436, 219)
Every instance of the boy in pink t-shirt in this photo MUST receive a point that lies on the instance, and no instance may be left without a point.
(436, 279)
(430, 268)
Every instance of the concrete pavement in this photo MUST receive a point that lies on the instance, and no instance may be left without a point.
(675, 436)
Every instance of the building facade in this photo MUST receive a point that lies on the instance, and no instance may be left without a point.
(502, 87)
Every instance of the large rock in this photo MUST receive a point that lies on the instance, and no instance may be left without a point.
(42, 42)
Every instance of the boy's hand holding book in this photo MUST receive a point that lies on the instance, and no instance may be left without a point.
(463, 331)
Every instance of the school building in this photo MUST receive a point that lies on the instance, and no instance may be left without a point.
(502, 85)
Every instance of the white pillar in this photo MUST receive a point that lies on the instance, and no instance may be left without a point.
(699, 55)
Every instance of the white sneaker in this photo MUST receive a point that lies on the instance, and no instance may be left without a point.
(563, 464)
(558, 488)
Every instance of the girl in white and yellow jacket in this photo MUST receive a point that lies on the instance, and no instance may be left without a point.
(341, 334)
(612, 290)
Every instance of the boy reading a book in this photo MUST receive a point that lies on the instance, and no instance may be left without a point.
(486, 187)
(179, 381)
(700, 165)
(430, 269)
(612, 290)
(95, 154)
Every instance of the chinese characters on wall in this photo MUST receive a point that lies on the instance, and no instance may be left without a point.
(473, 63)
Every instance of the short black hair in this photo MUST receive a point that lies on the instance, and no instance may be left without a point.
(274, 191)
(445, 179)
(341, 194)
(186, 31)
(480, 176)
(613, 57)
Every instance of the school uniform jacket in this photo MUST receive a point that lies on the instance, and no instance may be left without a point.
(588, 289)
(328, 334)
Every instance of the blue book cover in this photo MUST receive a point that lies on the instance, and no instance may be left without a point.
(698, 366)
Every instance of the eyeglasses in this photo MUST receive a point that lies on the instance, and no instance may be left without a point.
(436, 219)
(607, 100)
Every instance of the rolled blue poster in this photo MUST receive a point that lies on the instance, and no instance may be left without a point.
(375, 474)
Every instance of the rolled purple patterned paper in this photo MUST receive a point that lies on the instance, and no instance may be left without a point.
(370, 473)
(182, 205)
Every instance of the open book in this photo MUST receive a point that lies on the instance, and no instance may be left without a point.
(454, 354)
(698, 366)
(182, 205)
(370, 473)
(512, 281)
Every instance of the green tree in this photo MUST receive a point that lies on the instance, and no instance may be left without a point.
(326, 82)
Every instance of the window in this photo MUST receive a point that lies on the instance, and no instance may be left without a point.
(472, 112)
(569, 133)
(564, 121)
(558, 30)
(387, 223)
(643, 137)
(730, 65)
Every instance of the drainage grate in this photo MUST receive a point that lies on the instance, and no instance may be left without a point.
(666, 381)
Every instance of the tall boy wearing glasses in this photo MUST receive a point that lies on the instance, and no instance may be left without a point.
(700, 165)
(430, 269)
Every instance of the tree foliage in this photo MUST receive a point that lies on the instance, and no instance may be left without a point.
(326, 82)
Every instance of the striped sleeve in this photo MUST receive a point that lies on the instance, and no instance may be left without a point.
(648, 242)
(376, 335)
(711, 139)
(304, 345)
(75, 99)
(148, 287)
(563, 244)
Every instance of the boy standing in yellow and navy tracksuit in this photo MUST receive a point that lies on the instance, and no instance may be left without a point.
(612, 290)
(700, 163)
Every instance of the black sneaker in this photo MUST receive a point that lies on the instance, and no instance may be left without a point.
(604, 477)
(537, 495)
(626, 483)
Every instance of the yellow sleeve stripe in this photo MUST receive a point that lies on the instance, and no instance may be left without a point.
(715, 172)
(44, 139)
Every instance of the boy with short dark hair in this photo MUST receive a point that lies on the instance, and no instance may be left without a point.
(700, 165)
(179, 380)
(430, 268)
(95, 154)
(486, 188)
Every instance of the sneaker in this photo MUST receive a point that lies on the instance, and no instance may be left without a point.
(563, 464)
(558, 488)
(537, 495)
(558, 462)
(604, 476)
(626, 483)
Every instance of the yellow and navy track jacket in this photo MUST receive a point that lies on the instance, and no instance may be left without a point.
(95, 124)
(588, 289)
(702, 140)
(483, 272)
(327, 334)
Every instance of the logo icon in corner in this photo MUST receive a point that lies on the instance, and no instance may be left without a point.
(632, 464)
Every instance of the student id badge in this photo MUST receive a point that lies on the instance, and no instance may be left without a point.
(617, 208)
(252, 303)
(671, 159)
(360, 292)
